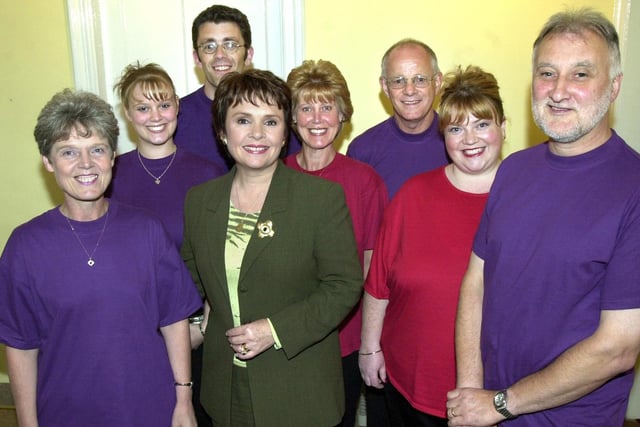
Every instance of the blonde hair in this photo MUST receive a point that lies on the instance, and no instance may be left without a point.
(154, 82)
(472, 90)
(320, 81)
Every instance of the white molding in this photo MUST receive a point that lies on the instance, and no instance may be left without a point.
(86, 46)
(105, 37)
(90, 50)
(621, 16)
(285, 29)
(293, 34)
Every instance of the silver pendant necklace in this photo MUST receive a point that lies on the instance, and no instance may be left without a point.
(90, 261)
(156, 178)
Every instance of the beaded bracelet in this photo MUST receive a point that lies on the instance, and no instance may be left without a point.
(177, 384)
(369, 354)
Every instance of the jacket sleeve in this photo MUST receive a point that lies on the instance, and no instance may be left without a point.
(339, 278)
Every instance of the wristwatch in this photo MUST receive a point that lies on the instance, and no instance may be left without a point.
(500, 403)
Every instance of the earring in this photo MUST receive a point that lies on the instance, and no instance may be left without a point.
(224, 140)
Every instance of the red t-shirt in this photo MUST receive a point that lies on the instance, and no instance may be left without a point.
(423, 248)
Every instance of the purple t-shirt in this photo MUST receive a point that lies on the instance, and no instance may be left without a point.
(396, 155)
(195, 132)
(132, 185)
(102, 360)
(560, 242)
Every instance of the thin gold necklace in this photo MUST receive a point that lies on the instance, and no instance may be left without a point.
(90, 261)
(156, 178)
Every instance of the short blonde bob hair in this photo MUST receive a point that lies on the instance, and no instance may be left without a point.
(320, 81)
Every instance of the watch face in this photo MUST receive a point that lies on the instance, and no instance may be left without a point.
(499, 400)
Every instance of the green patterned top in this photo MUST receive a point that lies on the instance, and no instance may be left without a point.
(239, 230)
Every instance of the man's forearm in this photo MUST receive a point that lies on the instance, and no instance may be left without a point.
(611, 350)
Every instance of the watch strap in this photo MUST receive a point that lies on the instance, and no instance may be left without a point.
(505, 413)
(502, 409)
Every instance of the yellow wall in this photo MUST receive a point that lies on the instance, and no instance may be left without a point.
(36, 62)
(495, 34)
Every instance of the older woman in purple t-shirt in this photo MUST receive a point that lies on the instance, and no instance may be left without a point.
(94, 297)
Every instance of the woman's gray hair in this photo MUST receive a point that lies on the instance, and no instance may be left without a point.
(71, 111)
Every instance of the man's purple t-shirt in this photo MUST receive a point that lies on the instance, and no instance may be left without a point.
(560, 240)
(195, 131)
(396, 155)
(196, 134)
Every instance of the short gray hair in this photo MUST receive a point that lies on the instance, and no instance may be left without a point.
(409, 42)
(78, 111)
(577, 22)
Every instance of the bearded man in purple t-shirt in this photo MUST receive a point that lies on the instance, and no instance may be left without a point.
(548, 327)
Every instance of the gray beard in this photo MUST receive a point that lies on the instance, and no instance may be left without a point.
(579, 129)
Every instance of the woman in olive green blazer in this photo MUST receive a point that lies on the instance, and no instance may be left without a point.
(278, 363)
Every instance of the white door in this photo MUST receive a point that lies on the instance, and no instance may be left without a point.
(106, 35)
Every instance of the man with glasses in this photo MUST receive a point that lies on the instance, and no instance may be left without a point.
(221, 38)
(221, 44)
(409, 142)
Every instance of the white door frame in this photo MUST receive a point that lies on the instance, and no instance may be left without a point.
(106, 35)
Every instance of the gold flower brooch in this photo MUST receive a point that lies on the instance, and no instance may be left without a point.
(265, 229)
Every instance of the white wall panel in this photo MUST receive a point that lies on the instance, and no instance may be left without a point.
(106, 35)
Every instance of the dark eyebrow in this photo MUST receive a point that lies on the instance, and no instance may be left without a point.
(226, 39)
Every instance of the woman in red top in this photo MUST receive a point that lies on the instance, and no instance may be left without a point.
(321, 104)
(421, 254)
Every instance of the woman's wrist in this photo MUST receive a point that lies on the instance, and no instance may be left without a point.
(184, 390)
(369, 353)
(183, 384)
